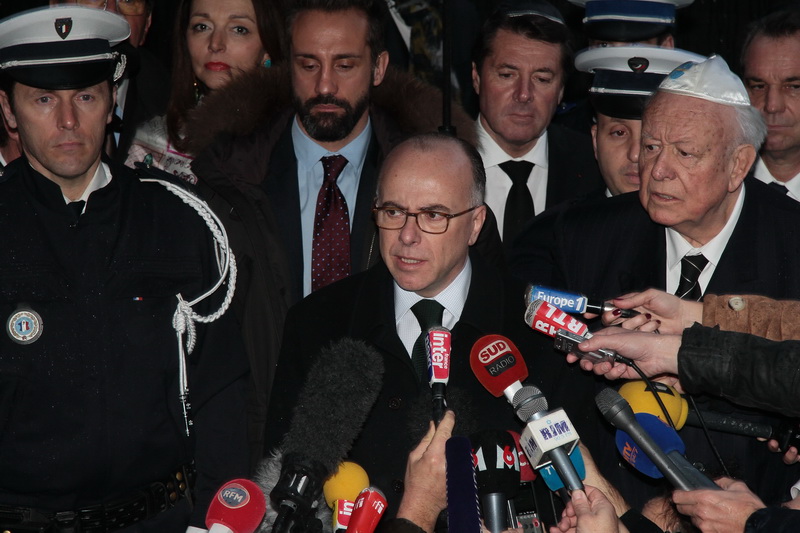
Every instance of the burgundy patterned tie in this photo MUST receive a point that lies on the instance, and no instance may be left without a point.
(330, 253)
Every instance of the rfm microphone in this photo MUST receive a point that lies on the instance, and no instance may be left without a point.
(342, 489)
(567, 330)
(463, 513)
(437, 346)
(674, 466)
(345, 378)
(367, 511)
(572, 302)
(238, 507)
(494, 456)
(499, 365)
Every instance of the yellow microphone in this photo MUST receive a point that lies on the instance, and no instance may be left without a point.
(640, 396)
(341, 491)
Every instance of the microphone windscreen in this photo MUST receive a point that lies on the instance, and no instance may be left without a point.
(238, 505)
(345, 379)
(526, 472)
(463, 514)
(664, 436)
(497, 363)
(641, 399)
(346, 483)
(437, 348)
(496, 462)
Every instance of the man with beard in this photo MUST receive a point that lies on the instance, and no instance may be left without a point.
(294, 186)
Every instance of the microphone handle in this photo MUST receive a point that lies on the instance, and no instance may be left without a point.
(566, 470)
(438, 402)
(495, 511)
(694, 477)
(719, 422)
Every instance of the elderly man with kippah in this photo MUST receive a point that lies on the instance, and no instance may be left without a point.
(103, 273)
(697, 225)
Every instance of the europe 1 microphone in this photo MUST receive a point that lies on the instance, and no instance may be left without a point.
(572, 302)
(549, 435)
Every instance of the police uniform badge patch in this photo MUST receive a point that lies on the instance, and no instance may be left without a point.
(63, 27)
(24, 326)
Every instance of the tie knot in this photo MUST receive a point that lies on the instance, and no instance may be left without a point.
(332, 166)
(780, 187)
(429, 314)
(77, 207)
(698, 261)
(518, 171)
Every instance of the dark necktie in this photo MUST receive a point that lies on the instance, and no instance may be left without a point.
(330, 248)
(429, 314)
(77, 208)
(519, 204)
(781, 188)
(691, 267)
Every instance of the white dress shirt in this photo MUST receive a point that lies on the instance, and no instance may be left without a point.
(498, 184)
(762, 173)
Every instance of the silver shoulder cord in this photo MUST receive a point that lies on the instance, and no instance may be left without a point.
(184, 318)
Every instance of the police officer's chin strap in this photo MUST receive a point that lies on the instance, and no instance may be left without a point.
(184, 318)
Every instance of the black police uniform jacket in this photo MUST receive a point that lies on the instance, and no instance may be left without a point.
(89, 411)
(362, 307)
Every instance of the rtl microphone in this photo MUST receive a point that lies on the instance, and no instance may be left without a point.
(463, 511)
(437, 344)
(567, 331)
(497, 474)
(498, 365)
(367, 511)
(674, 466)
(238, 507)
(572, 302)
(341, 491)
(345, 378)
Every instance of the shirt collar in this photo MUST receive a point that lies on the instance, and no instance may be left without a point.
(101, 178)
(493, 155)
(762, 173)
(308, 151)
(678, 246)
(452, 298)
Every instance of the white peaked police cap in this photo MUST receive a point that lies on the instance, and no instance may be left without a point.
(710, 80)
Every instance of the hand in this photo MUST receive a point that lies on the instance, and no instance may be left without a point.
(659, 310)
(425, 494)
(654, 354)
(589, 512)
(790, 457)
(719, 511)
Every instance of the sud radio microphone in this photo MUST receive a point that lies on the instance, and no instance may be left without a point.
(367, 511)
(572, 302)
(674, 466)
(463, 513)
(497, 474)
(341, 491)
(567, 331)
(238, 507)
(345, 378)
(499, 366)
(437, 347)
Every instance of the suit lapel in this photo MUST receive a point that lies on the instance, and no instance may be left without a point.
(362, 236)
(281, 189)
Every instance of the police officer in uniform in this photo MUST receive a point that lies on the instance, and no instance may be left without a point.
(102, 278)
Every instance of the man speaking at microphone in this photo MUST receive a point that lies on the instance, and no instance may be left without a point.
(429, 210)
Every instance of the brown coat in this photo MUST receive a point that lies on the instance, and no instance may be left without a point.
(773, 319)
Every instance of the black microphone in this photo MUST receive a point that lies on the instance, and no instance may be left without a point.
(497, 475)
(675, 468)
(463, 514)
(345, 378)
(787, 433)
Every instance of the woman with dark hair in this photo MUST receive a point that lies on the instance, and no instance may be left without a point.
(213, 43)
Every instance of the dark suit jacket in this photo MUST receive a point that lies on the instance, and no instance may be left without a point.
(573, 170)
(148, 95)
(609, 247)
(362, 307)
